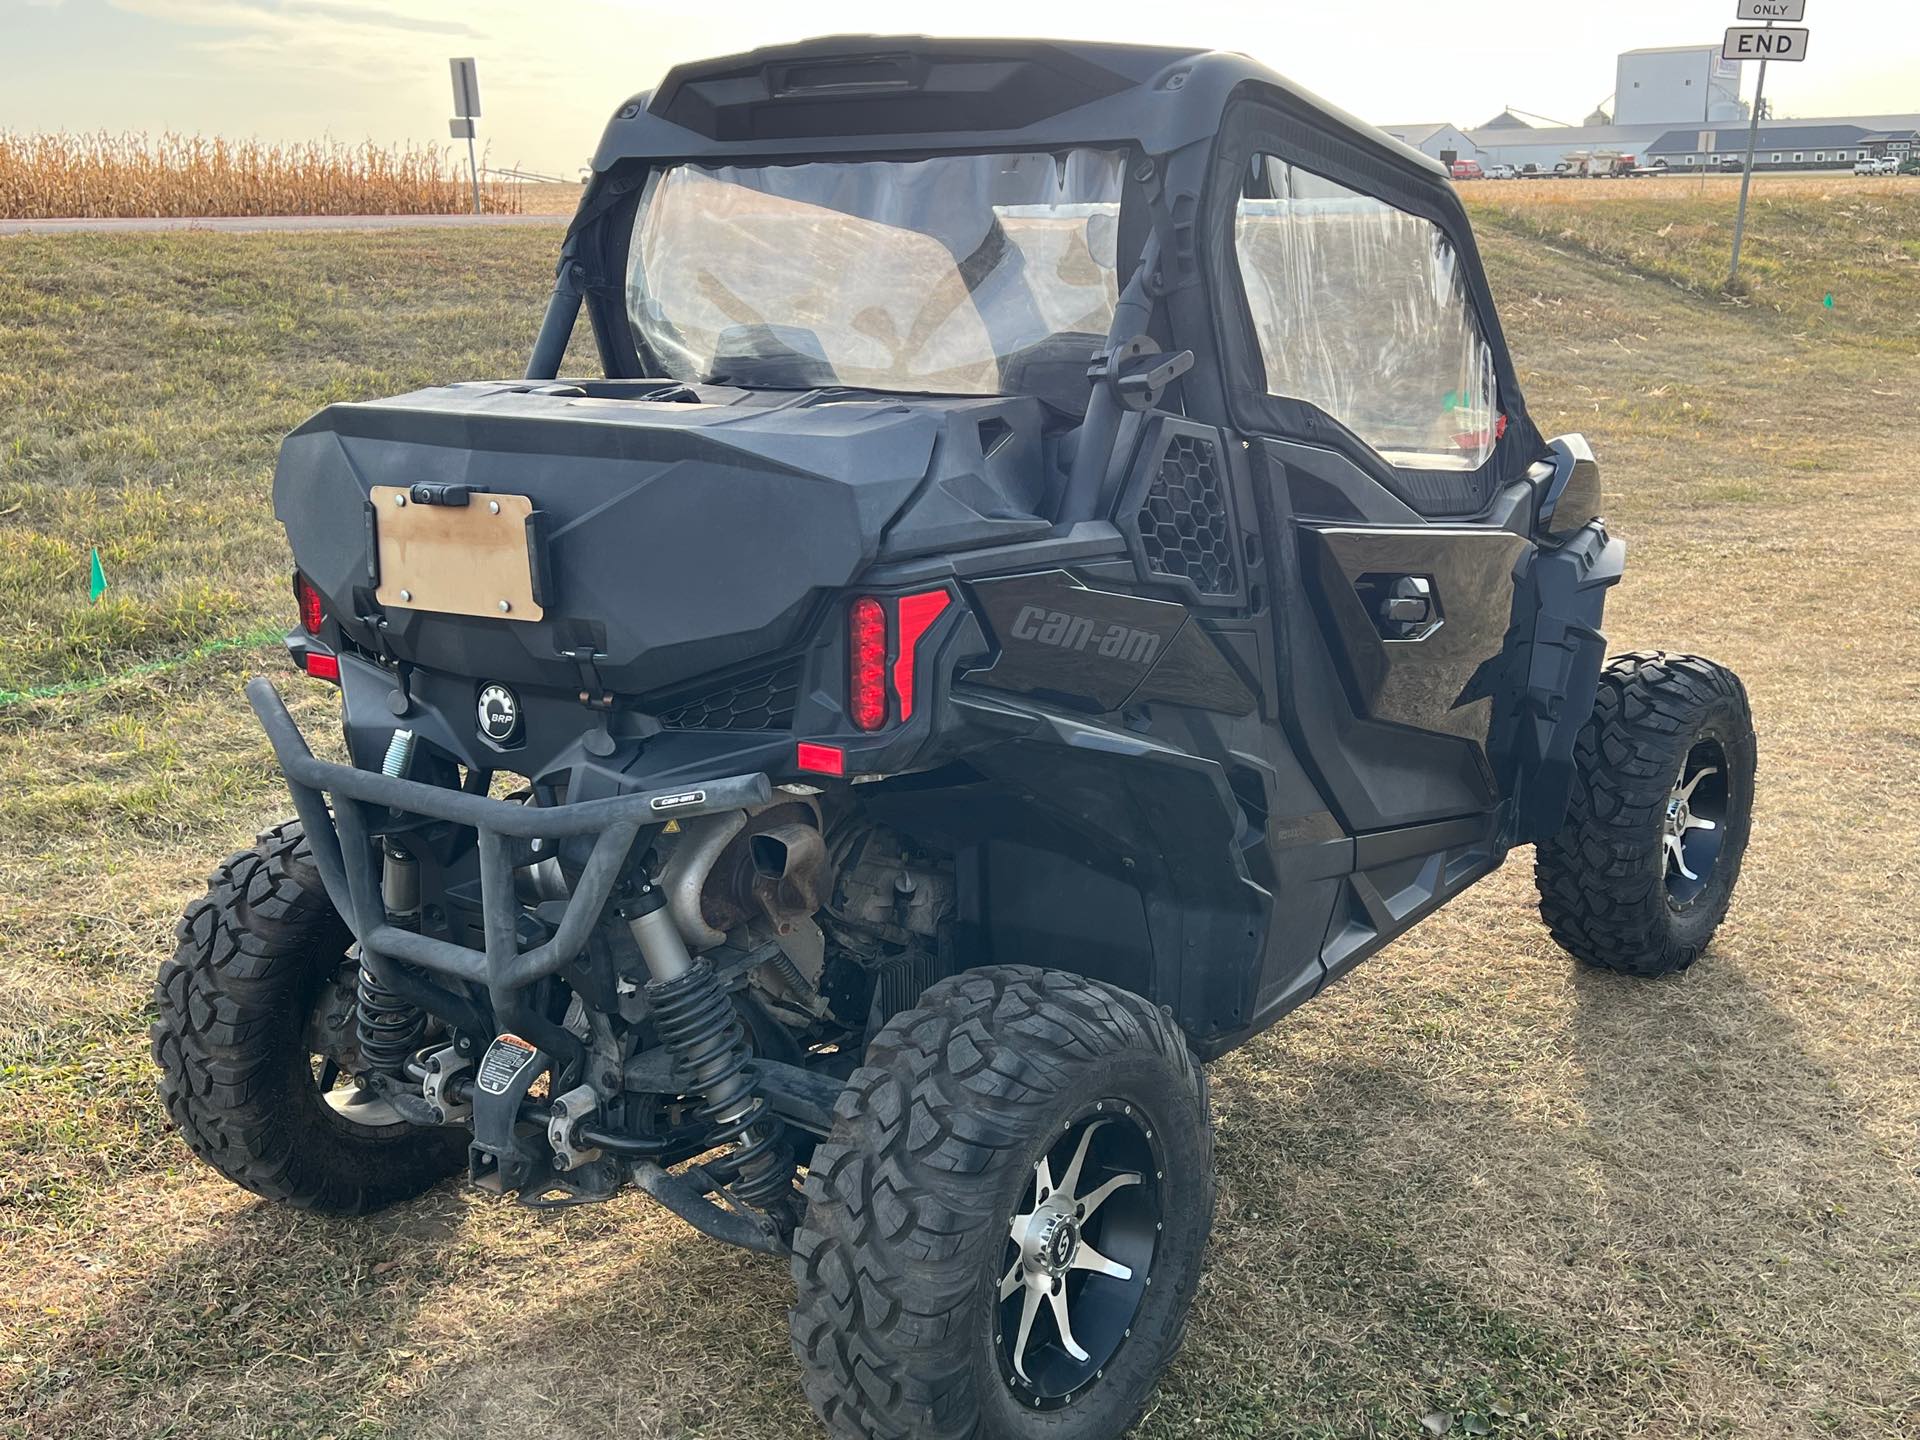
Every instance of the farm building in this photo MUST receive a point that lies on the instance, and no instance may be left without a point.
(1445, 143)
(1788, 144)
(1671, 83)
(1669, 102)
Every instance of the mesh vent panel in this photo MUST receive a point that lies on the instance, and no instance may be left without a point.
(1183, 524)
(761, 701)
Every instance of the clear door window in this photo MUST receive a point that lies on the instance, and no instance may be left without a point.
(1362, 310)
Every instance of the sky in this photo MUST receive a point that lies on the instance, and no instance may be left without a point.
(552, 71)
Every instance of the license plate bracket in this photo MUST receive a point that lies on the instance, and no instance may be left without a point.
(471, 559)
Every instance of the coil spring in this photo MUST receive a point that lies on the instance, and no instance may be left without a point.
(696, 1021)
(389, 1029)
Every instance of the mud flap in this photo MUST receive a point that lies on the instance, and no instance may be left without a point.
(1562, 672)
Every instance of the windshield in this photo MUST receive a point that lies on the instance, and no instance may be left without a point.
(938, 275)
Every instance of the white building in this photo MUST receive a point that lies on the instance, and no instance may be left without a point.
(1675, 84)
(1545, 146)
(1445, 143)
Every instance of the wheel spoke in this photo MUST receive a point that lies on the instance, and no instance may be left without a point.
(1094, 1199)
(1679, 857)
(1029, 1308)
(1686, 791)
(1058, 1299)
(1010, 1281)
(1694, 822)
(1070, 1182)
(1043, 1185)
(1088, 1258)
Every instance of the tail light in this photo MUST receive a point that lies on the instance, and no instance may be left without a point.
(875, 629)
(317, 661)
(917, 614)
(313, 605)
(867, 663)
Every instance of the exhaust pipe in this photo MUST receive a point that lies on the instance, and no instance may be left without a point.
(686, 871)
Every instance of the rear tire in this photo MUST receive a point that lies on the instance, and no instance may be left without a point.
(259, 956)
(1641, 874)
(911, 1287)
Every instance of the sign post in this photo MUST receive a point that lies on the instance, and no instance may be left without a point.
(1763, 44)
(466, 106)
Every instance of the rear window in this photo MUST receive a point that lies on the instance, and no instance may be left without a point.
(921, 275)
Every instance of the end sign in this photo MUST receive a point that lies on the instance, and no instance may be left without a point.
(1772, 42)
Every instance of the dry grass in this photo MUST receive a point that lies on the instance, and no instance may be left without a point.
(1468, 1179)
(1810, 239)
(60, 176)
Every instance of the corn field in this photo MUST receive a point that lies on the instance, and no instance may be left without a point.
(57, 176)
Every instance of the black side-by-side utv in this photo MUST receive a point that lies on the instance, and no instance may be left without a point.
(1056, 570)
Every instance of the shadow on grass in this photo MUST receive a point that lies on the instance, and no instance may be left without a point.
(1748, 1220)
(1389, 1245)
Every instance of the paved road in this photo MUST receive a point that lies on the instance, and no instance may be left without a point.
(244, 224)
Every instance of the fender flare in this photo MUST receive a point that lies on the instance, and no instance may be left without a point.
(1561, 672)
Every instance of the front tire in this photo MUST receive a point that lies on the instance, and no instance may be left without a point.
(1022, 1146)
(254, 1044)
(1641, 873)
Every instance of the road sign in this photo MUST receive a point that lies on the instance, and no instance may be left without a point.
(466, 88)
(466, 105)
(1780, 11)
(1773, 42)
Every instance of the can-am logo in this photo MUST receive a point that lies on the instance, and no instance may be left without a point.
(1077, 632)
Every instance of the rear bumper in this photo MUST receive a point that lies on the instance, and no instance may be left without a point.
(365, 802)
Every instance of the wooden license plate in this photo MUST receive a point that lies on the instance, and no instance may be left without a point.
(467, 559)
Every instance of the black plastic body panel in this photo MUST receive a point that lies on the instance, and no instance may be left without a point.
(681, 538)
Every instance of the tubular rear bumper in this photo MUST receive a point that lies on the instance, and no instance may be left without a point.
(364, 801)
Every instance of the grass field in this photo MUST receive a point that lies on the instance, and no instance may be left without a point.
(1467, 1180)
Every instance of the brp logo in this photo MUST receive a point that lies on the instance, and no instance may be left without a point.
(499, 714)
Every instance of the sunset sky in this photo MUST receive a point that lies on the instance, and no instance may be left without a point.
(551, 71)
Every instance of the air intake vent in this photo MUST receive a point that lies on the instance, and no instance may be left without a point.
(761, 701)
(1185, 531)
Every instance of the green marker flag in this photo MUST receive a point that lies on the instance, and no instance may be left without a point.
(96, 579)
(1828, 302)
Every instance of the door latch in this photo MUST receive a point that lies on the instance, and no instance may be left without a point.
(1409, 601)
(1402, 607)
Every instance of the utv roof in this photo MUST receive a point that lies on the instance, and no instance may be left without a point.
(914, 94)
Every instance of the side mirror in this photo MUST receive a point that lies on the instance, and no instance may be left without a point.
(1571, 495)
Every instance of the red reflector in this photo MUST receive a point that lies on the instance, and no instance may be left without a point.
(917, 614)
(820, 759)
(313, 608)
(867, 663)
(323, 667)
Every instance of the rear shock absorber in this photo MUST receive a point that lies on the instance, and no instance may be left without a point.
(388, 1028)
(698, 1024)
